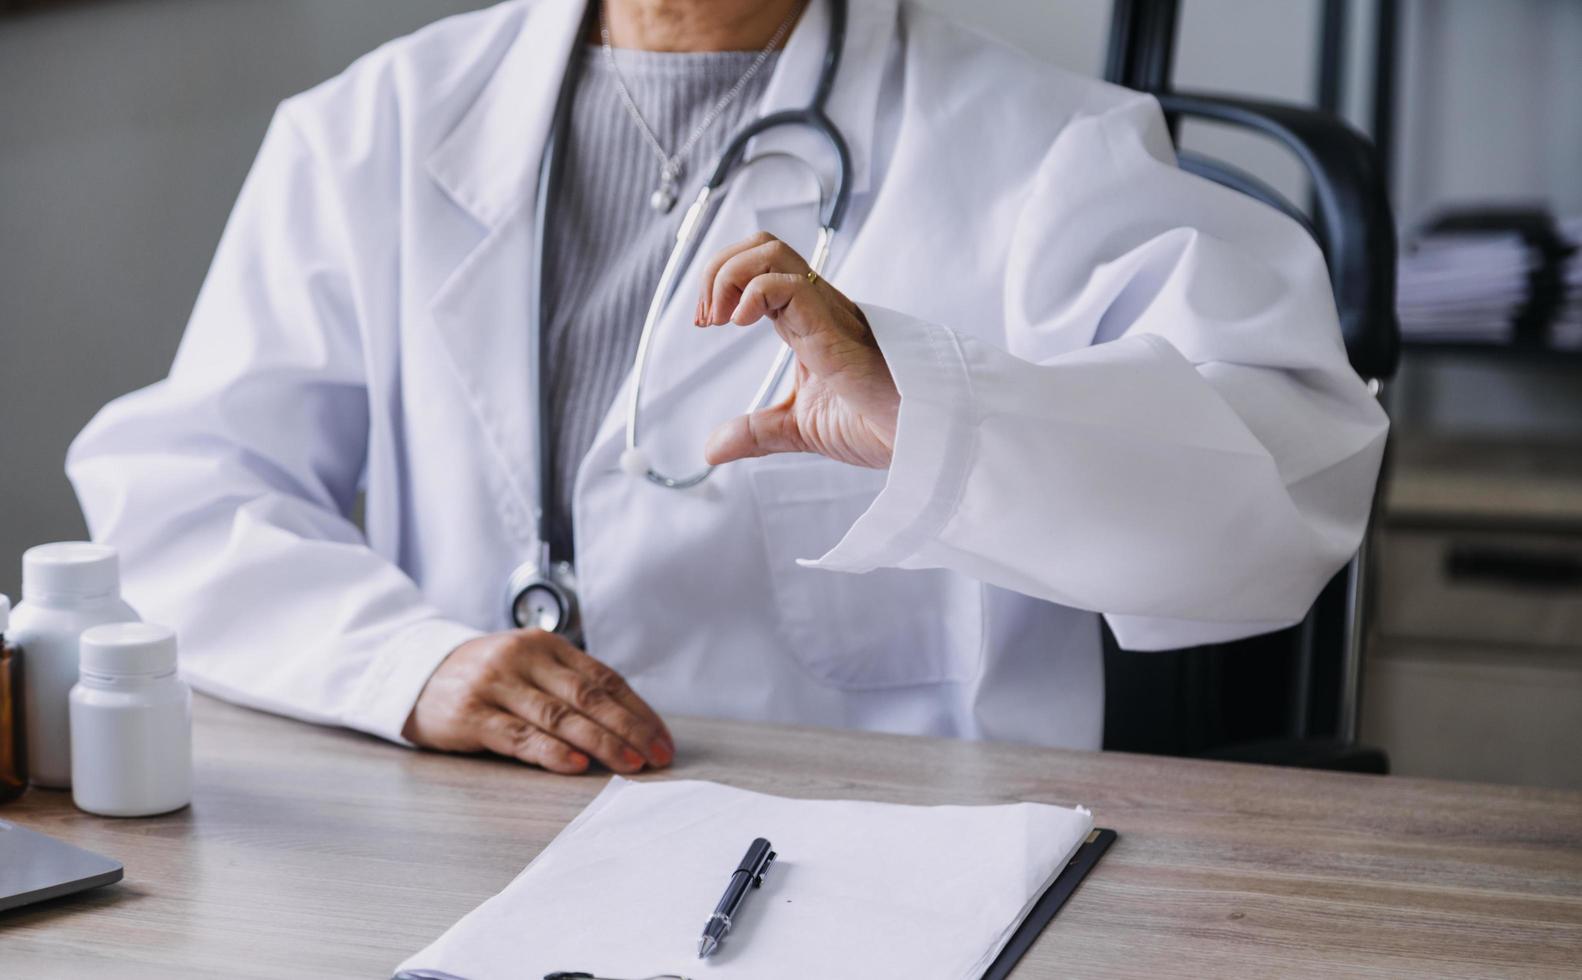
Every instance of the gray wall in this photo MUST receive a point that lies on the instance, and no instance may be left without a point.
(126, 127)
(1499, 87)
(125, 131)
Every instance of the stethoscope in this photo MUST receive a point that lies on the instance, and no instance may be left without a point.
(542, 592)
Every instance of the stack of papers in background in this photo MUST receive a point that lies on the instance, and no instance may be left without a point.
(858, 889)
(1470, 287)
(1461, 288)
(1566, 334)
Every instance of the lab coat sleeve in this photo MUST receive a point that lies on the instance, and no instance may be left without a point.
(1164, 429)
(227, 487)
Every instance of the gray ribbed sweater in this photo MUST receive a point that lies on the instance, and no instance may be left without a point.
(607, 247)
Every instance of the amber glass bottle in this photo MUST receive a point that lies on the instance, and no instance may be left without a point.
(13, 754)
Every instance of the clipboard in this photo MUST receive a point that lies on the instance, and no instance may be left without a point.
(1043, 911)
(1050, 903)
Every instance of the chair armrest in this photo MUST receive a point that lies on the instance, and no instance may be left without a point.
(1352, 222)
(1240, 180)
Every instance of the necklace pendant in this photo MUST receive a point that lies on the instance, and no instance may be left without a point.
(663, 198)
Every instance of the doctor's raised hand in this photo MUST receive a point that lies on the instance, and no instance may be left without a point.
(533, 696)
(844, 403)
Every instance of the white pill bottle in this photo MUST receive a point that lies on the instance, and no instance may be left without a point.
(67, 588)
(131, 724)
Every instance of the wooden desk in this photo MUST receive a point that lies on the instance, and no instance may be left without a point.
(317, 853)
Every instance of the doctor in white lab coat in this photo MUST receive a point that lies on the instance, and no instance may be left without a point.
(1047, 377)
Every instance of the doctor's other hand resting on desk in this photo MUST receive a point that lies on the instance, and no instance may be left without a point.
(532, 696)
(1041, 377)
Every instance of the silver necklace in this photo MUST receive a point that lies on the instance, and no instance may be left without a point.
(671, 165)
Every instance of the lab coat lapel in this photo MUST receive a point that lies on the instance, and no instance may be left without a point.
(488, 166)
(702, 378)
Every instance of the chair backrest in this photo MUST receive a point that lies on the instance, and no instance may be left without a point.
(1202, 700)
(1351, 218)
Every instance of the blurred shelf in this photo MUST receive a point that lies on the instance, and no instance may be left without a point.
(1485, 483)
(1537, 353)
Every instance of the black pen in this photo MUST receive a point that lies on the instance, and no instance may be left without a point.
(749, 874)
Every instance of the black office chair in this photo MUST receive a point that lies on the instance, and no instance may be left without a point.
(1289, 698)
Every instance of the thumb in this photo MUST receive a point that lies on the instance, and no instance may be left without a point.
(772, 430)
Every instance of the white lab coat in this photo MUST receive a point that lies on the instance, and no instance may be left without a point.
(1123, 393)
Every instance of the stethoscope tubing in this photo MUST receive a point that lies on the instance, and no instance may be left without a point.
(832, 214)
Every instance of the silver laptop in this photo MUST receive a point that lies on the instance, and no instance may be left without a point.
(34, 868)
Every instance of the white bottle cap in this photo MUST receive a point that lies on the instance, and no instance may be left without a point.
(129, 650)
(74, 569)
(5, 613)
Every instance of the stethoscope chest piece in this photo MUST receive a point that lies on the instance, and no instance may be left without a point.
(543, 595)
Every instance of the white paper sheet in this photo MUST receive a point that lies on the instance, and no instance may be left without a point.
(858, 889)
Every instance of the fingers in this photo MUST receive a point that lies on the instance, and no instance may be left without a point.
(769, 294)
(773, 430)
(613, 682)
(635, 737)
(505, 734)
(533, 696)
(550, 714)
(727, 276)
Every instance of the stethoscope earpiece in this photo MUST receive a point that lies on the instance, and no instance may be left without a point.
(634, 463)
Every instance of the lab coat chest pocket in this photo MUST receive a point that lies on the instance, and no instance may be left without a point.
(887, 628)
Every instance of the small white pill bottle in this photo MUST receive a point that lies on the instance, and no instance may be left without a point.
(131, 723)
(67, 587)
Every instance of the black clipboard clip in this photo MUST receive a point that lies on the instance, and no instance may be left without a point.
(1050, 902)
